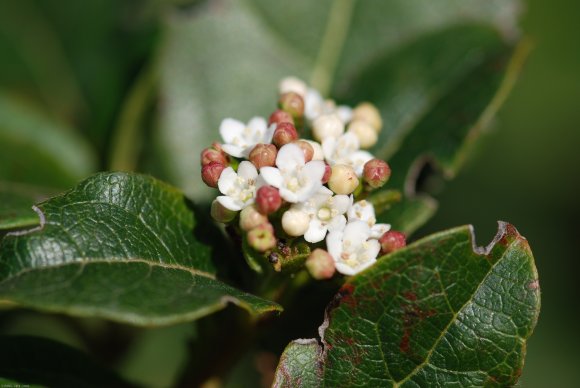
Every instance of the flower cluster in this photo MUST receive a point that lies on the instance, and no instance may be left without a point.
(277, 186)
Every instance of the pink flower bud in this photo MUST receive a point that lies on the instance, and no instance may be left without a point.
(292, 103)
(392, 241)
(262, 237)
(285, 133)
(320, 264)
(251, 218)
(220, 213)
(263, 155)
(268, 199)
(306, 148)
(376, 173)
(210, 173)
(327, 174)
(211, 154)
(280, 116)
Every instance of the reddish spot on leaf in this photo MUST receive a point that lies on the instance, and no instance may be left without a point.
(346, 297)
(534, 285)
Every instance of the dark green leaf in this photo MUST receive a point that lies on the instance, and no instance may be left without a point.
(37, 150)
(440, 312)
(120, 246)
(329, 43)
(35, 360)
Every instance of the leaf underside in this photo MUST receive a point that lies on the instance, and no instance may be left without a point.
(120, 246)
(440, 312)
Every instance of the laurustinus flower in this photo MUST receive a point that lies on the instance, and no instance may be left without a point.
(343, 179)
(285, 133)
(268, 199)
(262, 238)
(392, 240)
(220, 213)
(280, 116)
(326, 212)
(320, 264)
(293, 84)
(211, 154)
(365, 211)
(251, 218)
(239, 188)
(210, 173)
(346, 150)
(292, 103)
(369, 113)
(295, 222)
(352, 249)
(240, 139)
(307, 148)
(296, 179)
(263, 155)
(327, 126)
(376, 173)
(366, 134)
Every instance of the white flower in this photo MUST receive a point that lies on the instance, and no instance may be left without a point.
(326, 213)
(296, 180)
(315, 105)
(365, 211)
(351, 248)
(240, 139)
(239, 188)
(346, 150)
(293, 84)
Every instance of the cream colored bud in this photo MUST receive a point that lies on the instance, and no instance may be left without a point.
(318, 153)
(320, 264)
(366, 134)
(251, 218)
(327, 126)
(295, 222)
(343, 179)
(221, 214)
(293, 84)
(366, 111)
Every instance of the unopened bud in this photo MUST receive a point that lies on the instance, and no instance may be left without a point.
(392, 241)
(306, 148)
(293, 84)
(285, 133)
(292, 103)
(295, 222)
(325, 126)
(220, 213)
(327, 174)
(280, 116)
(320, 264)
(268, 199)
(209, 155)
(366, 111)
(343, 179)
(251, 218)
(210, 173)
(366, 134)
(262, 237)
(317, 148)
(376, 173)
(263, 155)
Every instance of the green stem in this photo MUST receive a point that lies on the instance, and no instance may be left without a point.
(126, 145)
(332, 44)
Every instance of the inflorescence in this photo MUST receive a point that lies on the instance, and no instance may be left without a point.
(277, 185)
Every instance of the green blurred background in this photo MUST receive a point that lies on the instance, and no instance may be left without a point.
(523, 171)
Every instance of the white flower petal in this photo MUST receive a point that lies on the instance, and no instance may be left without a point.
(247, 170)
(233, 150)
(269, 134)
(378, 230)
(229, 203)
(344, 269)
(290, 157)
(288, 195)
(357, 231)
(358, 160)
(315, 170)
(316, 232)
(337, 223)
(342, 203)
(227, 180)
(230, 129)
(272, 176)
(258, 124)
(334, 244)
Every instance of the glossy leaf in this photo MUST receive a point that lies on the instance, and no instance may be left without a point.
(330, 43)
(40, 361)
(440, 312)
(119, 246)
